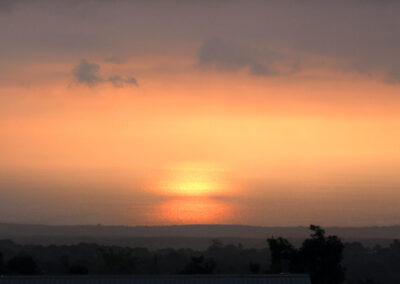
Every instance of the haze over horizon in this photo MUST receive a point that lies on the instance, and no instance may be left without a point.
(270, 113)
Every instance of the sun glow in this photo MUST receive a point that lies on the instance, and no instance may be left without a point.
(193, 185)
(194, 193)
(193, 211)
(194, 179)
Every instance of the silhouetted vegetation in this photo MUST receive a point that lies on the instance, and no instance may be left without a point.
(1, 264)
(320, 256)
(198, 265)
(325, 258)
(78, 270)
(22, 265)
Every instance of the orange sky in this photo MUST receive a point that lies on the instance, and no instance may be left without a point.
(196, 140)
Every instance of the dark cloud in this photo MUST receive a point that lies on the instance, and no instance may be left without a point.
(222, 55)
(88, 74)
(132, 81)
(119, 82)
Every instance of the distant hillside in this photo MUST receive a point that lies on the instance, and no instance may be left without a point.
(196, 236)
(215, 231)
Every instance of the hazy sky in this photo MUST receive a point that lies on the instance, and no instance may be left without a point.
(173, 112)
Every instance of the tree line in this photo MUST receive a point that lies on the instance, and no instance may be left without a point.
(325, 258)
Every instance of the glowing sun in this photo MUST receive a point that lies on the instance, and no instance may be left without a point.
(194, 179)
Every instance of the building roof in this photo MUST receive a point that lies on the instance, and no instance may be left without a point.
(165, 279)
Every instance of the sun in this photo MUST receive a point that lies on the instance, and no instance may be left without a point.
(194, 185)
(194, 179)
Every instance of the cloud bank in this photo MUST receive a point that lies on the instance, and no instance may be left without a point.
(362, 35)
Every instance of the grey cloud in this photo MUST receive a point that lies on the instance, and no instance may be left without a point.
(88, 74)
(222, 55)
(363, 35)
(119, 82)
(132, 81)
(260, 69)
(393, 76)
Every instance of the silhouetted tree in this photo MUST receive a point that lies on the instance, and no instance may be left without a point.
(118, 261)
(322, 256)
(1, 264)
(395, 246)
(254, 268)
(22, 265)
(78, 270)
(319, 256)
(198, 265)
(283, 255)
(215, 246)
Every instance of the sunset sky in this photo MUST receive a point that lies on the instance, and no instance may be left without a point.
(268, 113)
